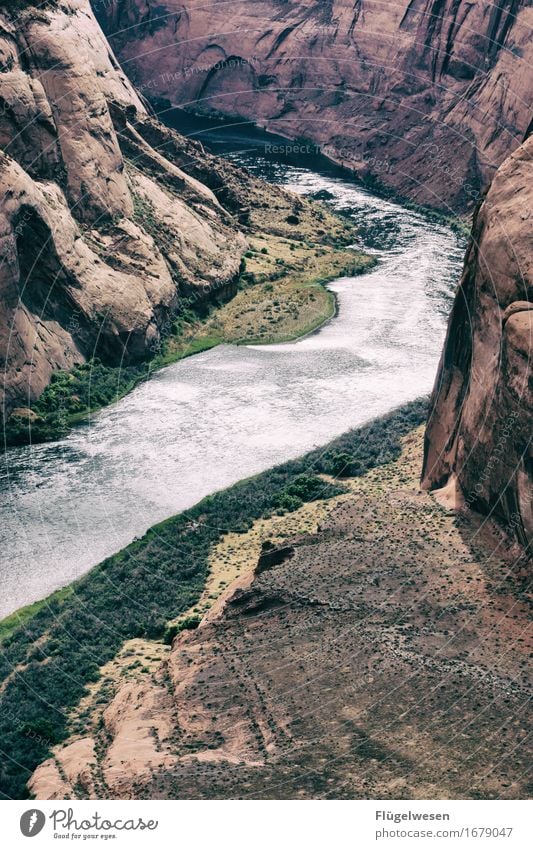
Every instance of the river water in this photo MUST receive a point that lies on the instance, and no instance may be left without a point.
(208, 421)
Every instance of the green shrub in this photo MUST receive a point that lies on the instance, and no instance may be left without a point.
(69, 396)
(344, 465)
(134, 593)
(190, 623)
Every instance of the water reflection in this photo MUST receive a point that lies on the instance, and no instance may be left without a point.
(215, 418)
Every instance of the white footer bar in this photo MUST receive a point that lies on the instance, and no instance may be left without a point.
(265, 825)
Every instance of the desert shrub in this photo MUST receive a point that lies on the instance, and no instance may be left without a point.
(69, 396)
(137, 591)
(343, 465)
(190, 623)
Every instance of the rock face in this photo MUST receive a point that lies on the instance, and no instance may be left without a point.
(100, 233)
(478, 439)
(427, 96)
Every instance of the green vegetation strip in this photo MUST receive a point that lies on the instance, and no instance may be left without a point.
(72, 396)
(60, 644)
(19, 619)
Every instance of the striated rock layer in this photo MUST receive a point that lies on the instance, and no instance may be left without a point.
(478, 439)
(427, 96)
(107, 218)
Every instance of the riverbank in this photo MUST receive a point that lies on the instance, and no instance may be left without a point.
(372, 595)
(280, 295)
(202, 424)
(48, 661)
(227, 136)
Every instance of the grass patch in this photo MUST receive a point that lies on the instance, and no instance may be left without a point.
(20, 617)
(281, 296)
(47, 661)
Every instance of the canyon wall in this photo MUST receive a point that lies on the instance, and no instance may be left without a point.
(478, 439)
(109, 221)
(107, 218)
(426, 96)
(100, 234)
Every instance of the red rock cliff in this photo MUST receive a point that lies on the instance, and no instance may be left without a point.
(100, 234)
(427, 96)
(479, 434)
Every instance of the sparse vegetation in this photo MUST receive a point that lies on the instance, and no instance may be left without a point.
(290, 302)
(282, 296)
(49, 659)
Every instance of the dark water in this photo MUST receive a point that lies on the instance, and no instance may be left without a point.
(206, 422)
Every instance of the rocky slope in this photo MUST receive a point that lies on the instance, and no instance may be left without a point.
(107, 218)
(427, 96)
(478, 440)
(343, 662)
(83, 271)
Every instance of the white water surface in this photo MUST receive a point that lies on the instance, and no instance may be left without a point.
(206, 422)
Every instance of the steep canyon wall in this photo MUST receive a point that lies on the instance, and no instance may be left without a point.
(426, 96)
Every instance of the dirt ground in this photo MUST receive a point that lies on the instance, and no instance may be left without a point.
(384, 655)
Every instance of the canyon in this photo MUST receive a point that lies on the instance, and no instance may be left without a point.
(336, 627)
(109, 220)
(425, 97)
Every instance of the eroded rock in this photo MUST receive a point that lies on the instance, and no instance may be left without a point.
(100, 233)
(427, 97)
(480, 426)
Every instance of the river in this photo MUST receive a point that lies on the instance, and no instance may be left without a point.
(201, 424)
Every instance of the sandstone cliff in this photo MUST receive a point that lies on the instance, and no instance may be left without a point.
(84, 204)
(427, 96)
(107, 218)
(478, 440)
